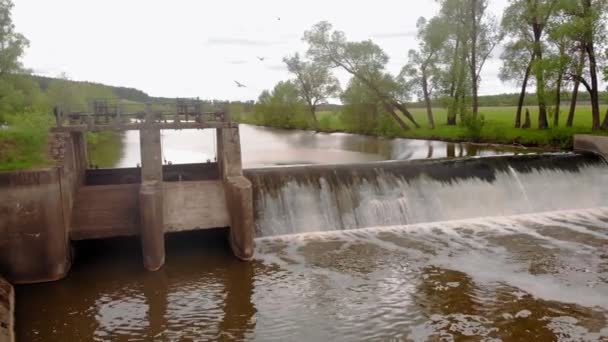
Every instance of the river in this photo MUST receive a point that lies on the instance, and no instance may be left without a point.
(270, 147)
(539, 276)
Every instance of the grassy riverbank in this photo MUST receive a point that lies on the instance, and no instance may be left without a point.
(498, 128)
(24, 141)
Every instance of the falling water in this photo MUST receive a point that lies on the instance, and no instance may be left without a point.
(325, 198)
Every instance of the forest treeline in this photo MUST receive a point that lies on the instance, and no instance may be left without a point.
(554, 50)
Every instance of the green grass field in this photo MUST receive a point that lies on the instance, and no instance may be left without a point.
(498, 127)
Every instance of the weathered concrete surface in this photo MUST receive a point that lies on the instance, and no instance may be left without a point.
(591, 144)
(33, 234)
(171, 173)
(36, 212)
(239, 199)
(238, 192)
(7, 311)
(152, 228)
(194, 205)
(229, 152)
(105, 211)
(151, 155)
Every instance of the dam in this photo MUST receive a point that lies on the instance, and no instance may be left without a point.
(506, 245)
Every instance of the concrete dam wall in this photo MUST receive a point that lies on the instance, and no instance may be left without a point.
(304, 199)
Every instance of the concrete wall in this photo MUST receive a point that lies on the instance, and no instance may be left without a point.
(7, 312)
(194, 205)
(33, 243)
(591, 144)
(171, 173)
(114, 210)
(105, 211)
(35, 214)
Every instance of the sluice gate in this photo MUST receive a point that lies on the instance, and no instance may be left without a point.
(43, 210)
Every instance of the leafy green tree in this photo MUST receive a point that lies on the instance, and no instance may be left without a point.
(282, 107)
(364, 60)
(585, 24)
(473, 35)
(315, 83)
(12, 44)
(482, 36)
(422, 71)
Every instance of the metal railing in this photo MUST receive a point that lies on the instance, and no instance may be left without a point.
(118, 115)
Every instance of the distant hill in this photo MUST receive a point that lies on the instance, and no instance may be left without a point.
(124, 93)
(499, 100)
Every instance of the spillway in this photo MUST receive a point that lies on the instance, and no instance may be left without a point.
(301, 199)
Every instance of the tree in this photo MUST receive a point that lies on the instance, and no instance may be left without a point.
(363, 112)
(483, 36)
(473, 36)
(586, 24)
(12, 44)
(315, 83)
(364, 60)
(525, 21)
(422, 71)
(518, 53)
(282, 107)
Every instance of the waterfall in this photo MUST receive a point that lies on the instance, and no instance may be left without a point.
(300, 199)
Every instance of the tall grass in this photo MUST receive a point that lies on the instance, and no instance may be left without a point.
(23, 143)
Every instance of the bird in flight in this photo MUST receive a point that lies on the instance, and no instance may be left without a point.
(240, 85)
(261, 58)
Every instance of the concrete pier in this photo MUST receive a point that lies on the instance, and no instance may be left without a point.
(239, 193)
(7, 312)
(591, 144)
(151, 200)
(152, 232)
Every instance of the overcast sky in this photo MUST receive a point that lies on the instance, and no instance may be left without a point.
(190, 48)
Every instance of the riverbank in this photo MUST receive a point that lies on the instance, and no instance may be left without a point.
(24, 144)
(498, 128)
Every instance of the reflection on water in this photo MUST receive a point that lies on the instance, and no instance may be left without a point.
(268, 147)
(540, 277)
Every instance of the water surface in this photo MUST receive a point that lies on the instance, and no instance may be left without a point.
(541, 277)
(263, 146)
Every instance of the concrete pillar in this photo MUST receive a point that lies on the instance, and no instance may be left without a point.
(151, 155)
(229, 152)
(81, 159)
(7, 311)
(152, 226)
(239, 193)
(151, 200)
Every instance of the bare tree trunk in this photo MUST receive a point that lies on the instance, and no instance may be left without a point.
(522, 95)
(558, 98)
(577, 84)
(605, 123)
(573, 101)
(543, 123)
(528, 122)
(473, 62)
(391, 111)
(313, 116)
(427, 100)
(595, 100)
(453, 81)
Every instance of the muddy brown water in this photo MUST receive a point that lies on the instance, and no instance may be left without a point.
(538, 277)
(534, 277)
